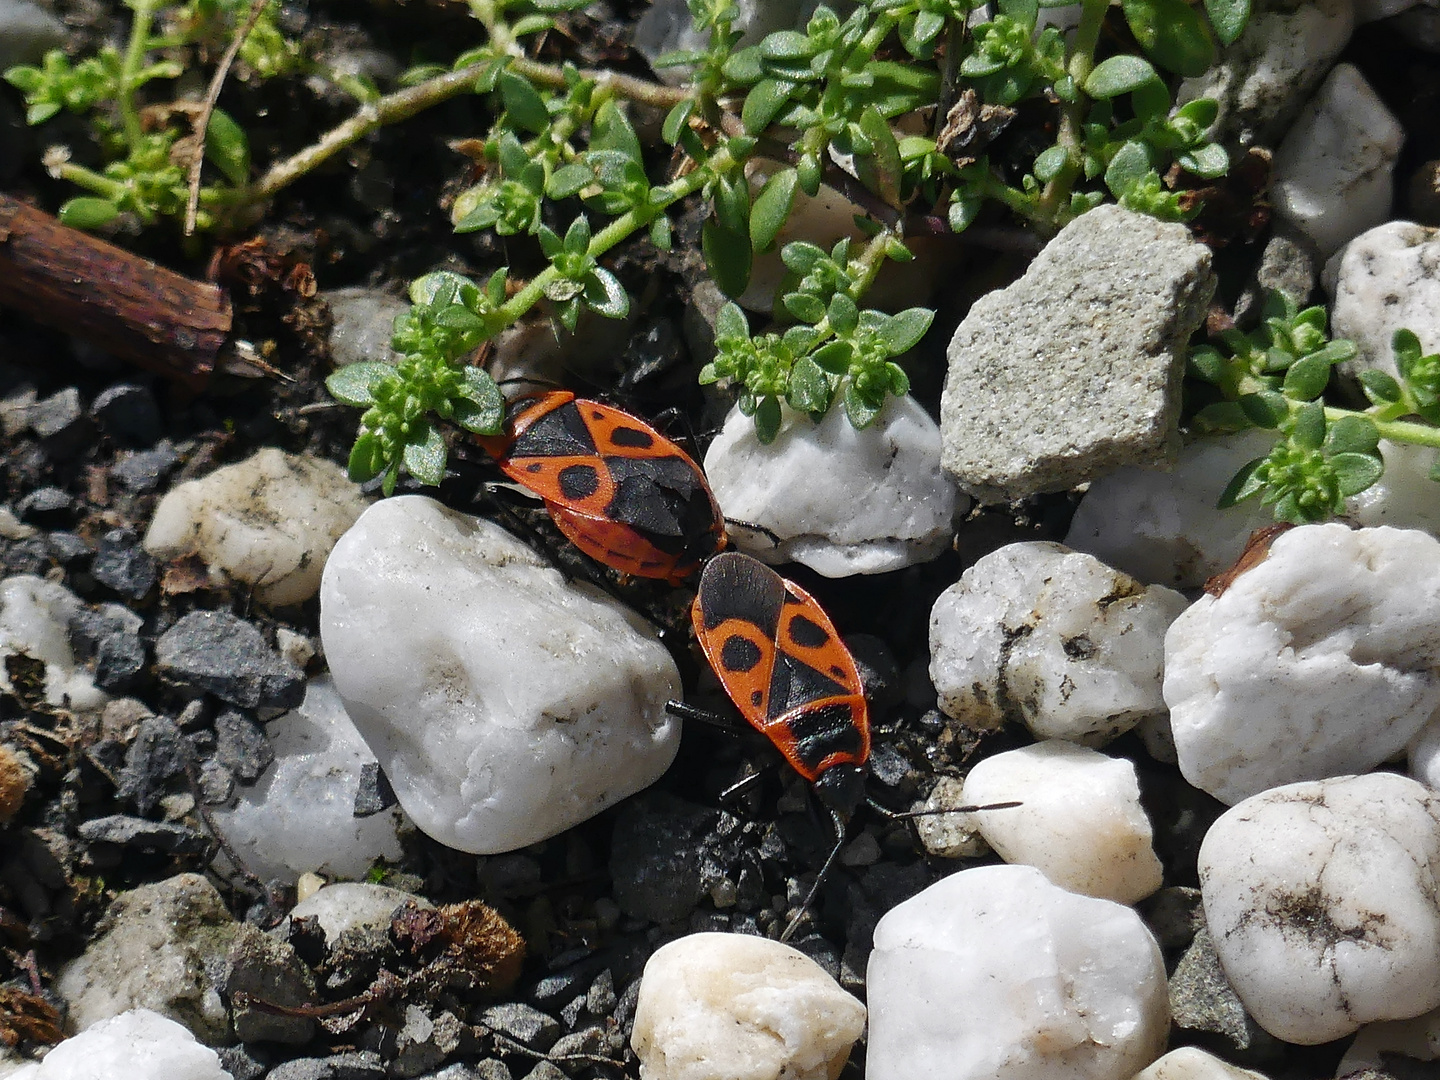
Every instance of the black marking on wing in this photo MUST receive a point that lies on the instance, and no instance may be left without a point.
(807, 632)
(559, 433)
(637, 438)
(735, 586)
(579, 481)
(739, 654)
(794, 682)
(830, 729)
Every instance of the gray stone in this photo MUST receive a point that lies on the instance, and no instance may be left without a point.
(128, 413)
(240, 1063)
(217, 653)
(160, 947)
(657, 856)
(267, 968)
(27, 33)
(118, 660)
(524, 1024)
(67, 547)
(362, 324)
(303, 1069)
(241, 746)
(1201, 998)
(46, 506)
(1290, 263)
(588, 1041)
(60, 422)
(143, 471)
(544, 1070)
(1075, 369)
(489, 1069)
(157, 753)
(139, 834)
(600, 1000)
(121, 564)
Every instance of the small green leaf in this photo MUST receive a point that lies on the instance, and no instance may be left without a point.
(860, 411)
(1379, 387)
(367, 459)
(1127, 168)
(767, 420)
(1242, 486)
(568, 180)
(660, 233)
(809, 389)
(1356, 472)
(1208, 161)
(1265, 409)
(765, 99)
(1172, 33)
(1352, 435)
(481, 409)
(676, 121)
(804, 306)
(771, 208)
(1306, 379)
(732, 203)
(577, 236)
(1228, 17)
(1222, 416)
(844, 316)
(1309, 430)
(353, 385)
(883, 167)
(611, 130)
(902, 332)
(801, 256)
(1048, 165)
(731, 322)
(786, 45)
(605, 294)
(963, 211)
(227, 147)
(88, 212)
(728, 256)
(523, 104)
(1119, 75)
(834, 357)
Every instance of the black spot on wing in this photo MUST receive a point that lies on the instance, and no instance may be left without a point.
(830, 729)
(637, 438)
(739, 654)
(559, 433)
(735, 586)
(794, 683)
(579, 481)
(807, 632)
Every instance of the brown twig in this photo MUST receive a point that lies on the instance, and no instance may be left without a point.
(212, 95)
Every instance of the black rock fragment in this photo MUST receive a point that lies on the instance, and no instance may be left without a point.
(218, 653)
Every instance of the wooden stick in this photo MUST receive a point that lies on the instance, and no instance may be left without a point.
(141, 312)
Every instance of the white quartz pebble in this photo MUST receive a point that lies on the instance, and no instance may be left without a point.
(35, 617)
(504, 704)
(1405, 496)
(840, 500)
(1334, 170)
(1037, 634)
(996, 974)
(1163, 526)
(1319, 660)
(300, 815)
(1321, 899)
(1417, 1038)
(1192, 1063)
(1386, 279)
(1423, 755)
(268, 522)
(738, 1007)
(352, 905)
(1079, 820)
(135, 1045)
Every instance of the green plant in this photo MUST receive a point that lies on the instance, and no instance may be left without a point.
(1274, 378)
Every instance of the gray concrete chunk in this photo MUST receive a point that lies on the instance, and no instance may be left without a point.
(1075, 369)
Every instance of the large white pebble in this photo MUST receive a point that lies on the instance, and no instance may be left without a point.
(268, 522)
(738, 1007)
(1051, 638)
(300, 815)
(504, 704)
(1334, 170)
(1192, 1063)
(135, 1045)
(1386, 279)
(842, 501)
(1164, 526)
(35, 619)
(1079, 820)
(996, 974)
(1321, 899)
(1417, 1038)
(1318, 661)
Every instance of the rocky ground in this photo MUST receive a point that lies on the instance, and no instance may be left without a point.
(175, 762)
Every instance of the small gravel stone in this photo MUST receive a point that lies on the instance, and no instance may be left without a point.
(554, 694)
(268, 522)
(526, 1025)
(140, 834)
(374, 792)
(46, 506)
(121, 564)
(137, 1044)
(1333, 173)
(267, 968)
(163, 947)
(35, 617)
(118, 662)
(241, 746)
(362, 323)
(545, 1070)
(600, 999)
(1037, 634)
(215, 652)
(27, 33)
(128, 413)
(67, 547)
(996, 972)
(839, 500)
(734, 1007)
(1038, 349)
(1316, 662)
(949, 836)
(60, 422)
(143, 471)
(240, 1062)
(157, 754)
(1192, 1063)
(1202, 999)
(657, 856)
(1079, 819)
(353, 905)
(1321, 900)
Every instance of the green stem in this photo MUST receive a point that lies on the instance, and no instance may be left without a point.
(1054, 201)
(92, 181)
(130, 66)
(1403, 431)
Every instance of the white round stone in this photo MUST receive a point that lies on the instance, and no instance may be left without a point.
(1321, 900)
(137, 1045)
(840, 500)
(268, 522)
(352, 905)
(1386, 280)
(1164, 526)
(995, 972)
(1037, 634)
(1333, 172)
(738, 1007)
(1192, 1063)
(1079, 820)
(1317, 661)
(299, 816)
(504, 704)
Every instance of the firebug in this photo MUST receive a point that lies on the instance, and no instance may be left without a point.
(619, 490)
